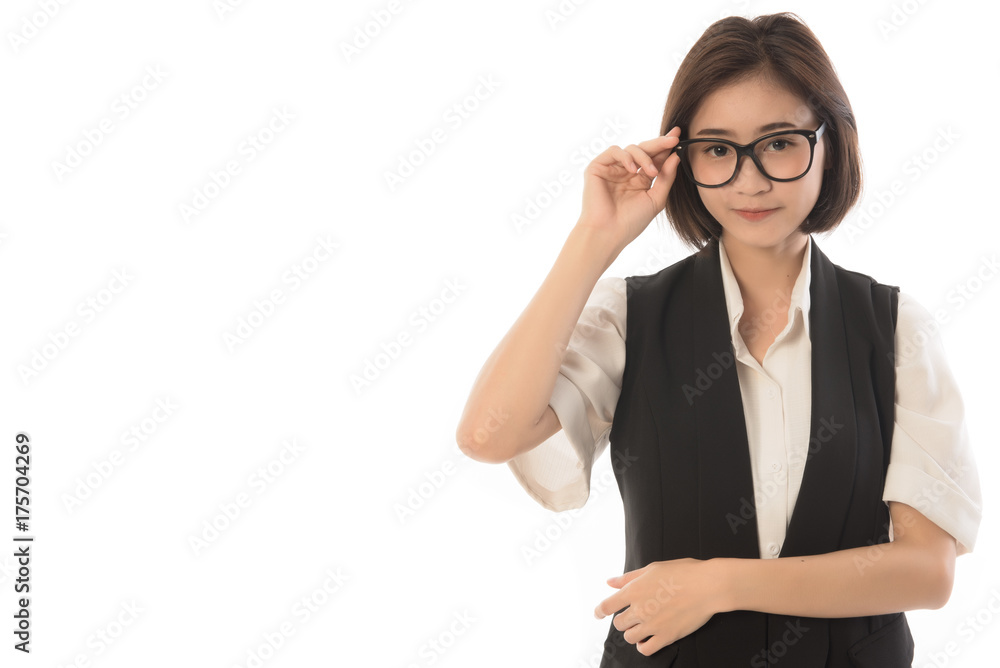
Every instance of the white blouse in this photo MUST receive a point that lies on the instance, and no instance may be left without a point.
(931, 467)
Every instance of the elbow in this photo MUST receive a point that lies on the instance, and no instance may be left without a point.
(943, 583)
(938, 581)
(485, 439)
(474, 446)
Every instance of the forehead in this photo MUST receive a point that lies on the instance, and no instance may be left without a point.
(745, 109)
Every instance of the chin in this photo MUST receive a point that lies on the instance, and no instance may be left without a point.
(763, 234)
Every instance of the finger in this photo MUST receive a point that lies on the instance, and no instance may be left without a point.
(660, 149)
(642, 159)
(650, 646)
(657, 143)
(611, 605)
(616, 156)
(625, 620)
(637, 634)
(665, 178)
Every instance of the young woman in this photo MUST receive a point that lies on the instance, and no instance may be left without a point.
(786, 435)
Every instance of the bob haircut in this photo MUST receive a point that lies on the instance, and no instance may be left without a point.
(779, 49)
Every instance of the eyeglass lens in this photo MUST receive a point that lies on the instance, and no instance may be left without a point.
(783, 157)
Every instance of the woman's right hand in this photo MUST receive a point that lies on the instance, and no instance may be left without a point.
(617, 197)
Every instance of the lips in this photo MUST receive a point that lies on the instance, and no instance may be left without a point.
(755, 214)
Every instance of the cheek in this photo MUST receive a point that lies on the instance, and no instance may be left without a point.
(710, 198)
(814, 186)
(807, 192)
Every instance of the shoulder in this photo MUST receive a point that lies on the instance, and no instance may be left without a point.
(861, 279)
(655, 283)
(917, 333)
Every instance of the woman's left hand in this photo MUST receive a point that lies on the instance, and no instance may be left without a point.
(666, 601)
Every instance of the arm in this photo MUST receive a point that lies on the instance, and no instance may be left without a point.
(914, 571)
(507, 409)
(623, 190)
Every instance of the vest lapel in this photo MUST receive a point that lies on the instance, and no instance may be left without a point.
(727, 521)
(821, 507)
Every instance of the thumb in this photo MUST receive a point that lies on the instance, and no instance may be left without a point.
(624, 579)
(664, 180)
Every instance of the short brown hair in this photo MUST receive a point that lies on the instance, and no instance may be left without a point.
(781, 49)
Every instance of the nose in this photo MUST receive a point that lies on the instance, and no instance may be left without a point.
(749, 179)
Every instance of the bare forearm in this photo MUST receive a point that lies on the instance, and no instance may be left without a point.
(517, 379)
(872, 580)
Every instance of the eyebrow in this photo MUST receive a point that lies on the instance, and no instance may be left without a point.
(718, 132)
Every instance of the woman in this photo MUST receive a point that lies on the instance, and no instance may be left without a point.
(786, 435)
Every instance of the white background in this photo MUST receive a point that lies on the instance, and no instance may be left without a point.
(404, 580)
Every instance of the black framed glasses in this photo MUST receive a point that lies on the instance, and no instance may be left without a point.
(786, 155)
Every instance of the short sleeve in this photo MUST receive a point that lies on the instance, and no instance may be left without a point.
(931, 466)
(556, 473)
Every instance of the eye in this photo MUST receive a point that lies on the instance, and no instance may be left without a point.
(715, 150)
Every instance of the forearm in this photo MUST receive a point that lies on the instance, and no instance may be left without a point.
(518, 378)
(873, 580)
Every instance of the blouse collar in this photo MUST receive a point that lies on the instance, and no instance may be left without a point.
(799, 299)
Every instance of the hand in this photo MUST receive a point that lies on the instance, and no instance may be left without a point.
(666, 600)
(617, 195)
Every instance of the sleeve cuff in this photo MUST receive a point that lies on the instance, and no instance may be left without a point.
(941, 502)
(556, 473)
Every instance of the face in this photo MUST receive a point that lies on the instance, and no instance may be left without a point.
(742, 109)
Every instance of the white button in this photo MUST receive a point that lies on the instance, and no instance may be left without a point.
(770, 394)
(773, 548)
(775, 466)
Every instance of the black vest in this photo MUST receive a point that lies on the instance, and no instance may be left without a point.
(682, 461)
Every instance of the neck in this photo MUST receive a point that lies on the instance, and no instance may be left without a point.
(760, 270)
